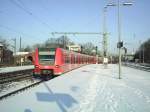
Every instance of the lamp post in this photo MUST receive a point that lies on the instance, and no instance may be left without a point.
(120, 43)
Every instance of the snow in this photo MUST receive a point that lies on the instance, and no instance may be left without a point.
(13, 69)
(92, 88)
(12, 86)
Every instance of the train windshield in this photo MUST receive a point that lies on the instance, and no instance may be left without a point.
(46, 56)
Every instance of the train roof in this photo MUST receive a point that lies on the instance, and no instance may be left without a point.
(67, 51)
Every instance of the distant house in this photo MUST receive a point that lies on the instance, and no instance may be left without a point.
(21, 58)
(8, 57)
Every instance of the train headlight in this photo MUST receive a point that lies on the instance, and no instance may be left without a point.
(57, 66)
(36, 66)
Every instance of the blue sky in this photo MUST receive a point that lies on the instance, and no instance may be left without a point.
(33, 20)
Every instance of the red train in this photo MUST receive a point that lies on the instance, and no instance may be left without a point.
(51, 62)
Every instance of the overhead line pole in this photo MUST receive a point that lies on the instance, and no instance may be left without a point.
(104, 34)
(14, 46)
(20, 51)
(20, 44)
(143, 52)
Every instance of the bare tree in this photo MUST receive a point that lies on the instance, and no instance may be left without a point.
(143, 53)
(4, 43)
(88, 48)
(62, 42)
(27, 49)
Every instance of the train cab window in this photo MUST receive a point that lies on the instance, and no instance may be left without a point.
(47, 56)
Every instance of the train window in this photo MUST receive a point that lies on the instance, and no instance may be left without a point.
(75, 59)
(47, 56)
(67, 59)
(72, 59)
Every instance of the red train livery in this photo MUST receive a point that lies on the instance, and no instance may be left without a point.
(50, 62)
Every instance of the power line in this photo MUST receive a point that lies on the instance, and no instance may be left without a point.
(77, 33)
(16, 31)
(25, 9)
(19, 6)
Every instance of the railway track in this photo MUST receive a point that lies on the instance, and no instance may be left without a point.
(19, 90)
(13, 76)
(138, 66)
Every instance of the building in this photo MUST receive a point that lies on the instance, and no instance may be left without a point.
(76, 48)
(8, 57)
(21, 58)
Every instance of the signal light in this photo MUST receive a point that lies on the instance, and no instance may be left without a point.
(120, 44)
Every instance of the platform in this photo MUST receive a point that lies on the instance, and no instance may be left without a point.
(92, 88)
(14, 69)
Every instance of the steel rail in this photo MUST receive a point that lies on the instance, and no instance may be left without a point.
(19, 90)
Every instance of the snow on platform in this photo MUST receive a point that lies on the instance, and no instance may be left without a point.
(13, 69)
(91, 88)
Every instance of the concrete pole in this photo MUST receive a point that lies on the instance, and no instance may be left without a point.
(104, 34)
(15, 51)
(140, 52)
(20, 45)
(143, 53)
(119, 37)
(20, 51)
(15, 45)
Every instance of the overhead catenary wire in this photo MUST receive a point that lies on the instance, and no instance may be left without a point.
(25, 9)
(29, 13)
(22, 6)
(14, 30)
(18, 32)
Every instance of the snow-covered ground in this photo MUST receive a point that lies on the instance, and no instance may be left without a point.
(92, 88)
(18, 68)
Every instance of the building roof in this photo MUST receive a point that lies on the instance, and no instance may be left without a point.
(21, 53)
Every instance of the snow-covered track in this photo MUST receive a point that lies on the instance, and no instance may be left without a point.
(16, 75)
(20, 90)
(137, 66)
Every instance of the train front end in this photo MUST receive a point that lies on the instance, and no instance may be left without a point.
(47, 62)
